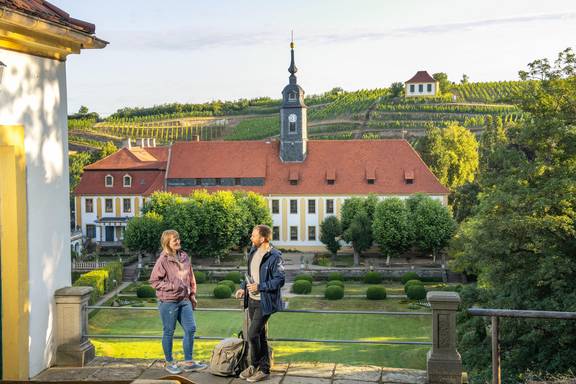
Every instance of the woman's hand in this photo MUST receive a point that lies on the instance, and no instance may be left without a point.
(193, 301)
(239, 294)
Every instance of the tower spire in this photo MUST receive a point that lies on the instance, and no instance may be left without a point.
(292, 69)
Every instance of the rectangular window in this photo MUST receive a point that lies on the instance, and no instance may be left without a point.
(293, 206)
(89, 205)
(330, 182)
(293, 233)
(411, 88)
(91, 231)
(291, 96)
(330, 206)
(420, 88)
(275, 207)
(198, 181)
(109, 206)
(127, 181)
(312, 233)
(127, 205)
(276, 233)
(237, 181)
(429, 87)
(292, 127)
(409, 181)
(109, 181)
(311, 206)
(371, 181)
(293, 182)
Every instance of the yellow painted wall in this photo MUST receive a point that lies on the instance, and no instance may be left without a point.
(320, 210)
(137, 206)
(14, 254)
(303, 209)
(118, 207)
(284, 219)
(79, 211)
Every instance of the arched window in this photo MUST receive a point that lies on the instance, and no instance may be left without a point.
(127, 180)
(109, 180)
(291, 95)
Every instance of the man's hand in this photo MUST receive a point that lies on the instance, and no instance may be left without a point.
(194, 302)
(239, 294)
(253, 288)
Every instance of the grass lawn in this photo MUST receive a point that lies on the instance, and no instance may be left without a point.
(290, 325)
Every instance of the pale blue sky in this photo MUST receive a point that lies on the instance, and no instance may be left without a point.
(197, 51)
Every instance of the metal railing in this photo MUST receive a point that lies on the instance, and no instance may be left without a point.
(526, 314)
(299, 340)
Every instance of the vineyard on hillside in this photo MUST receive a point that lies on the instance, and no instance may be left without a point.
(489, 92)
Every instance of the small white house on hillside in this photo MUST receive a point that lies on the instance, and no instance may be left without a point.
(421, 84)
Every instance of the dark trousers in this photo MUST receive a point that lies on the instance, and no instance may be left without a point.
(257, 336)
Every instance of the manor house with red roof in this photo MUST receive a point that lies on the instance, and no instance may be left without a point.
(303, 180)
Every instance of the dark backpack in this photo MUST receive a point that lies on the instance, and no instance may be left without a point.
(229, 357)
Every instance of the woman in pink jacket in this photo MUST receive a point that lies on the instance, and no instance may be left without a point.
(175, 285)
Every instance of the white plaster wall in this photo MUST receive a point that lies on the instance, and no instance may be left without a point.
(33, 94)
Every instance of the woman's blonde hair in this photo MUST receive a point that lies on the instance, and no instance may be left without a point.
(166, 237)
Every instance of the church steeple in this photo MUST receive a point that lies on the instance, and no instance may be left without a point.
(293, 121)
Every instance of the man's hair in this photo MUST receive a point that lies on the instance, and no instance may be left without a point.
(264, 231)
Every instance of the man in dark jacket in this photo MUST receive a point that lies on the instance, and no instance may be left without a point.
(262, 297)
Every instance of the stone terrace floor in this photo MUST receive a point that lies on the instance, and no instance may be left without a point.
(107, 370)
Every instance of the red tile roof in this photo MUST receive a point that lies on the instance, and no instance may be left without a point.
(421, 77)
(49, 12)
(351, 160)
(135, 158)
(144, 183)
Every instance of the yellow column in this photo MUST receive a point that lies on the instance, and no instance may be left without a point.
(98, 207)
(137, 206)
(320, 210)
(284, 219)
(118, 206)
(14, 255)
(338, 206)
(78, 211)
(303, 208)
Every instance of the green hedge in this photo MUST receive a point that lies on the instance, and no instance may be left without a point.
(234, 276)
(409, 276)
(222, 291)
(373, 278)
(102, 280)
(302, 287)
(410, 283)
(335, 282)
(376, 292)
(145, 291)
(200, 277)
(304, 276)
(334, 292)
(335, 276)
(416, 292)
(228, 283)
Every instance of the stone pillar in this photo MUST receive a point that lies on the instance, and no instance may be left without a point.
(444, 364)
(74, 349)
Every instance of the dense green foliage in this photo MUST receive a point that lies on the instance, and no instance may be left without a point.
(101, 280)
(335, 276)
(302, 287)
(228, 283)
(376, 292)
(372, 277)
(143, 233)
(234, 276)
(145, 291)
(334, 292)
(406, 277)
(330, 230)
(200, 277)
(416, 292)
(339, 283)
(303, 276)
(391, 227)
(222, 291)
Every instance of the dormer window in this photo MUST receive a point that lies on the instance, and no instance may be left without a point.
(127, 181)
(331, 176)
(292, 96)
(371, 175)
(109, 181)
(294, 177)
(409, 177)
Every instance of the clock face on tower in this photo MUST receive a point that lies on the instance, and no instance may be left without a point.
(292, 118)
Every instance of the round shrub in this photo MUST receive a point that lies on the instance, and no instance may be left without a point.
(228, 283)
(200, 277)
(222, 291)
(409, 276)
(304, 277)
(335, 276)
(145, 291)
(335, 282)
(372, 278)
(302, 287)
(410, 283)
(334, 292)
(376, 292)
(234, 276)
(416, 292)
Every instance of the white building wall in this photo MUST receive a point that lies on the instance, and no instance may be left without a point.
(91, 218)
(33, 94)
(424, 89)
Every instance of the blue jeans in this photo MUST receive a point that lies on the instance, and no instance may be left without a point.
(180, 311)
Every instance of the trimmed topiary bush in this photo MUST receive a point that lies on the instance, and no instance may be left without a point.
(410, 283)
(334, 292)
(200, 277)
(335, 282)
(376, 292)
(416, 292)
(372, 278)
(409, 276)
(228, 283)
(145, 292)
(222, 291)
(303, 276)
(335, 276)
(234, 276)
(302, 287)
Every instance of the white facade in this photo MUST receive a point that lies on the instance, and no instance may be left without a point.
(421, 89)
(33, 95)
